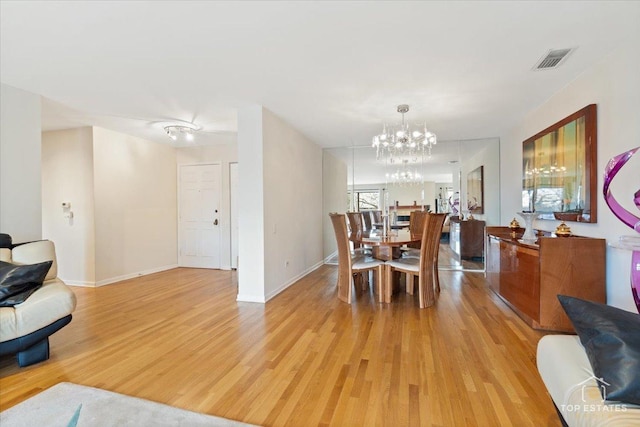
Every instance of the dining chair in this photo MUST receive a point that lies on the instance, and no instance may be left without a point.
(416, 227)
(435, 242)
(350, 265)
(376, 217)
(425, 266)
(356, 224)
(357, 231)
(367, 217)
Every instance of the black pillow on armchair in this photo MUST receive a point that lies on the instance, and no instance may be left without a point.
(18, 282)
(5, 241)
(611, 339)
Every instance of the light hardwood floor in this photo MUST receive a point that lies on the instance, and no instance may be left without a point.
(303, 359)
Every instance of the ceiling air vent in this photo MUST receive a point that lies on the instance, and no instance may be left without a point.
(553, 59)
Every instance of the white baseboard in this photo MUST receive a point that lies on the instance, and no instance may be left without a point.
(250, 298)
(137, 274)
(263, 299)
(293, 280)
(78, 283)
(334, 255)
(84, 284)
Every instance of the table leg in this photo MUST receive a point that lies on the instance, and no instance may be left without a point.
(388, 284)
(386, 253)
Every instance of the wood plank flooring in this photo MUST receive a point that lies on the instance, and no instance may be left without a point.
(303, 359)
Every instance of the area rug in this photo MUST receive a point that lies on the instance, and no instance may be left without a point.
(68, 405)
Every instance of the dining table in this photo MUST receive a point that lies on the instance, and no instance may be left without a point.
(398, 225)
(387, 247)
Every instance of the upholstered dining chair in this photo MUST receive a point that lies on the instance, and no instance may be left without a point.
(350, 265)
(425, 267)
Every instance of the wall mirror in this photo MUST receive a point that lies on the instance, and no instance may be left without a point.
(559, 169)
(369, 182)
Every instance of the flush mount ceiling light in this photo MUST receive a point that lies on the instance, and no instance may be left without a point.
(180, 131)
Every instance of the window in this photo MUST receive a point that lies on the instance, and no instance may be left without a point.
(366, 200)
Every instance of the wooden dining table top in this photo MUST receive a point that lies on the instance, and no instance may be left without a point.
(393, 239)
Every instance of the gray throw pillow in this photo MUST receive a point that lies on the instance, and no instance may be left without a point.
(18, 282)
(611, 339)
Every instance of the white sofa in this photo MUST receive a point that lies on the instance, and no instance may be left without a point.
(566, 372)
(25, 328)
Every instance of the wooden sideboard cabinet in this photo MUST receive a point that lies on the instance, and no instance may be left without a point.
(529, 277)
(466, 238)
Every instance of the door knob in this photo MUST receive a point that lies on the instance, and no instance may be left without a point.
(215, 222)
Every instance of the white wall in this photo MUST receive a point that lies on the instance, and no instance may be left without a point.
(67, 175)
(251, 246)
(407, 195)
(20, 157)
(292, 204)
(224, 154)
(334, 198)
(613, 85)
(280, 205)
(135, 206)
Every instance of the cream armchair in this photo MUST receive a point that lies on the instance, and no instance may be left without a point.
(25, 327)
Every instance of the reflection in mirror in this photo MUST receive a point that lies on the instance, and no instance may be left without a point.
(373, 184)
(559, 163)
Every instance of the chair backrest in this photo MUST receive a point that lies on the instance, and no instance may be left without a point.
(430, 243)
(344, 255)
(356, 224)
(33, 253)
(368, 219)
(416, 226)
(376, 216)
(442, 218)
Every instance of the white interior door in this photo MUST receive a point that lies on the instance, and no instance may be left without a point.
(233, 191)
(199, 223)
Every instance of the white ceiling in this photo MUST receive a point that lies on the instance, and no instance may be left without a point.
(334, 70)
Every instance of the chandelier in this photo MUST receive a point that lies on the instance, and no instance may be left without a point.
(403, 141)
(404, 175)
(552, 170)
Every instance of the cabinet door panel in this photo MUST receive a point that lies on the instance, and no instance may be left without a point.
(520, 278)
(570, 266)
(493, 263)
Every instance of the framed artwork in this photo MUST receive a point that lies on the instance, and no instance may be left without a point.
(475, 191)
(559, 169)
